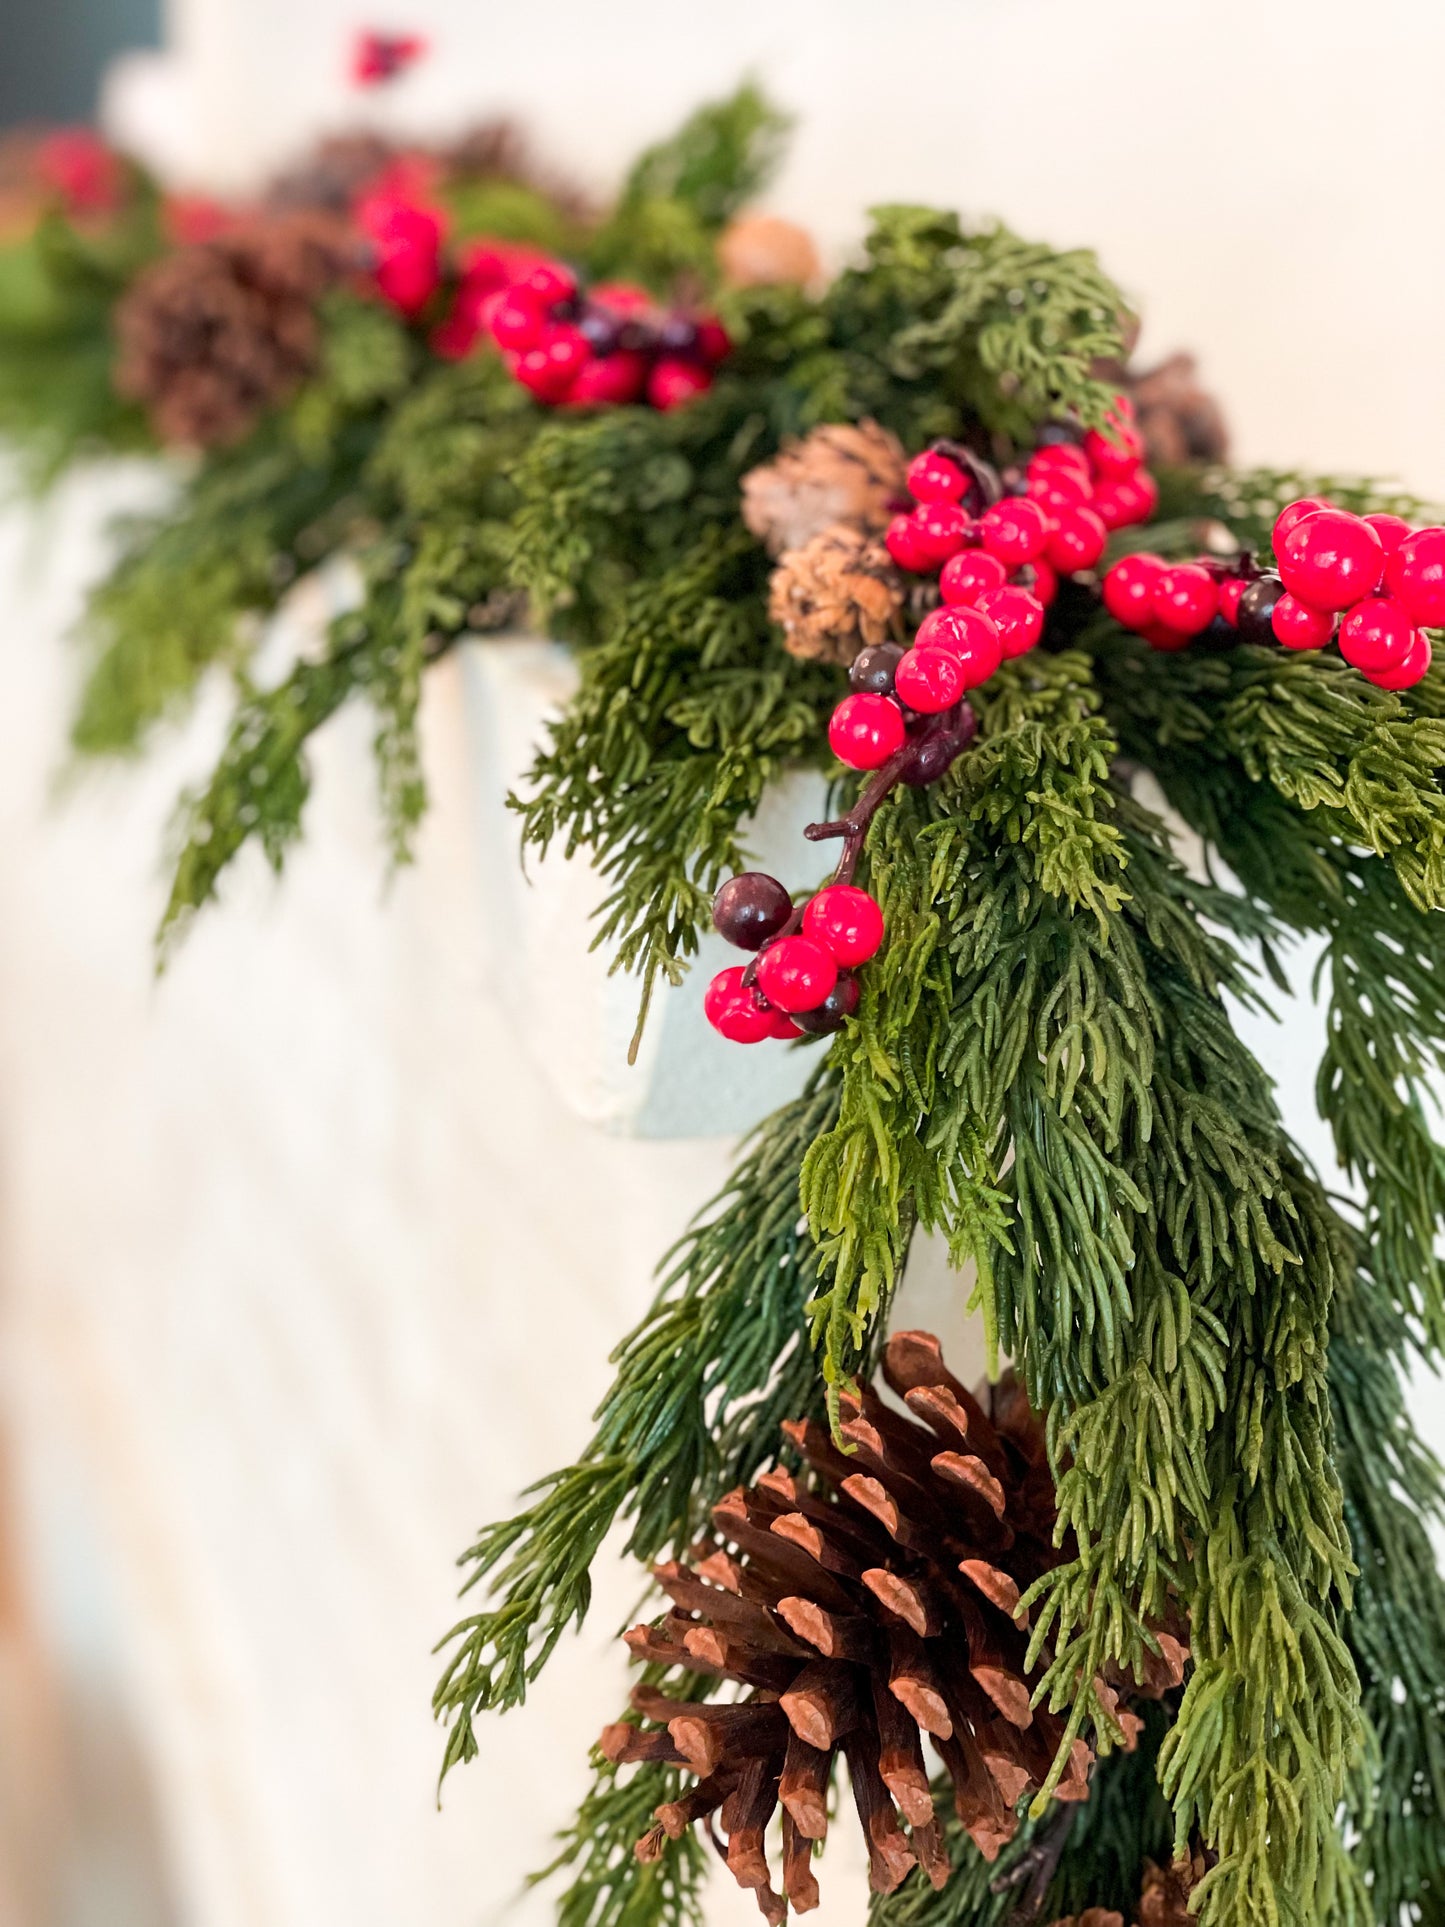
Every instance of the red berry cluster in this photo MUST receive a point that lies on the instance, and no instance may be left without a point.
(1053, 515)
(604, 345)
(405, 232)
(801, 981)
(1368, 580)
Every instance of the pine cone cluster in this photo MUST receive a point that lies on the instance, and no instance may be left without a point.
(1163, 1900)
(836, 594)
(859, 1613)
(212, 335)
(839, 473)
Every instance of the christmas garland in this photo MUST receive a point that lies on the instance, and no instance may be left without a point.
(1180, 1563)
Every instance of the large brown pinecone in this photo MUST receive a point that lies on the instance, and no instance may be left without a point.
(860, 1613)
(212, 335)
(330, 177)
(836, 594)
(839, 473)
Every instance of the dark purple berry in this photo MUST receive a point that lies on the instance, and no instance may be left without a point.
(834, 1011)
(602, 330)
(1256, 610)
(751, 908)
(1052, 434)
(677, 335)
(873, 668)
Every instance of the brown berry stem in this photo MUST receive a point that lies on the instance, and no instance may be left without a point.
(959, 724)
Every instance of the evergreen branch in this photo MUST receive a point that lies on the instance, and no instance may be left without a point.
(610, 1886)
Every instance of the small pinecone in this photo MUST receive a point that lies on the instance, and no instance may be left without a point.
(498, 150)
(835, 595)
(1164, 1901)
(212, 335)
(858, 1615)
(765, 251)
(330, 177)
(839, 473)
(1092, 1917)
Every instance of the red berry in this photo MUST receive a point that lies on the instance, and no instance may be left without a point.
(1165, 640)
(517, 323)
(622, 297)
(1299, 625)
(969, 575)
(1129, 589)
(672, 383)
(1415, 574)
(609, 380)
(929, 680)
(1129, 500)
(549, 281)
(730, 1007)
(1059, 459)
(1377, 634)
(1039, 579)
(714, 343)
(907, 545)
(1331, 559)
(847, 922)
(549, 369)
(934, 478)
(1077, 542)
(1018, 617)
(864, 731)
(780, 1024)
(1391, 529)
(1295, 512)
(944, 528)
(1185, 598)
(1060, 490)
(1410, 671)
(1117, 454)
(968, 636)
(796, 973)
(1015, 530)
(1231, 592)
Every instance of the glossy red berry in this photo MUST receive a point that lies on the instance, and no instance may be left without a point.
(731, 1008)
(1129, 589)
(969, 575)
(547, 283)
(908, 545)
(1231, 594)
(751, 908)
(1017, 615)
(609, 381)
(1410, 671)
(1299, 625)
(1163, 639)
(1127, 500)
(966, 634)
(550, 368)
(1415, 575)
(517, 324)
(1016, 530)
(674, 383)
(796, 973)
(944, 528)
(714, 343)
(847, 922)
(1118, 453)
(1391, 529)
(1077, 542)
(1185, 598)
(1376, 635)
(1331, 559)
(929, 680)
(1293, 514)
(1059, 492)
(934, 478)
(1059, 458)
(1039, 579)
(864, 731)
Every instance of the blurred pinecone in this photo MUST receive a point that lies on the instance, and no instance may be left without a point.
(1180, 420)
(331, 176)
(498, 150)
(839, 473)
(211, 336)
(1163, 1900)
(764, 251)
(1092, 1917)
(836, 594)
(858, 1615)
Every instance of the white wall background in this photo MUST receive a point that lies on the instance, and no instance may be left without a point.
(304, 1269)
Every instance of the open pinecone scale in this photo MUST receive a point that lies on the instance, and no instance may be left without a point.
(861, 1615)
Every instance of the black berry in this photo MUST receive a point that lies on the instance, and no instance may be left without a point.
(1256, 609)
(603, 331)
(874, 668)
(678, 335)
(834, 1011)
(751, 908)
